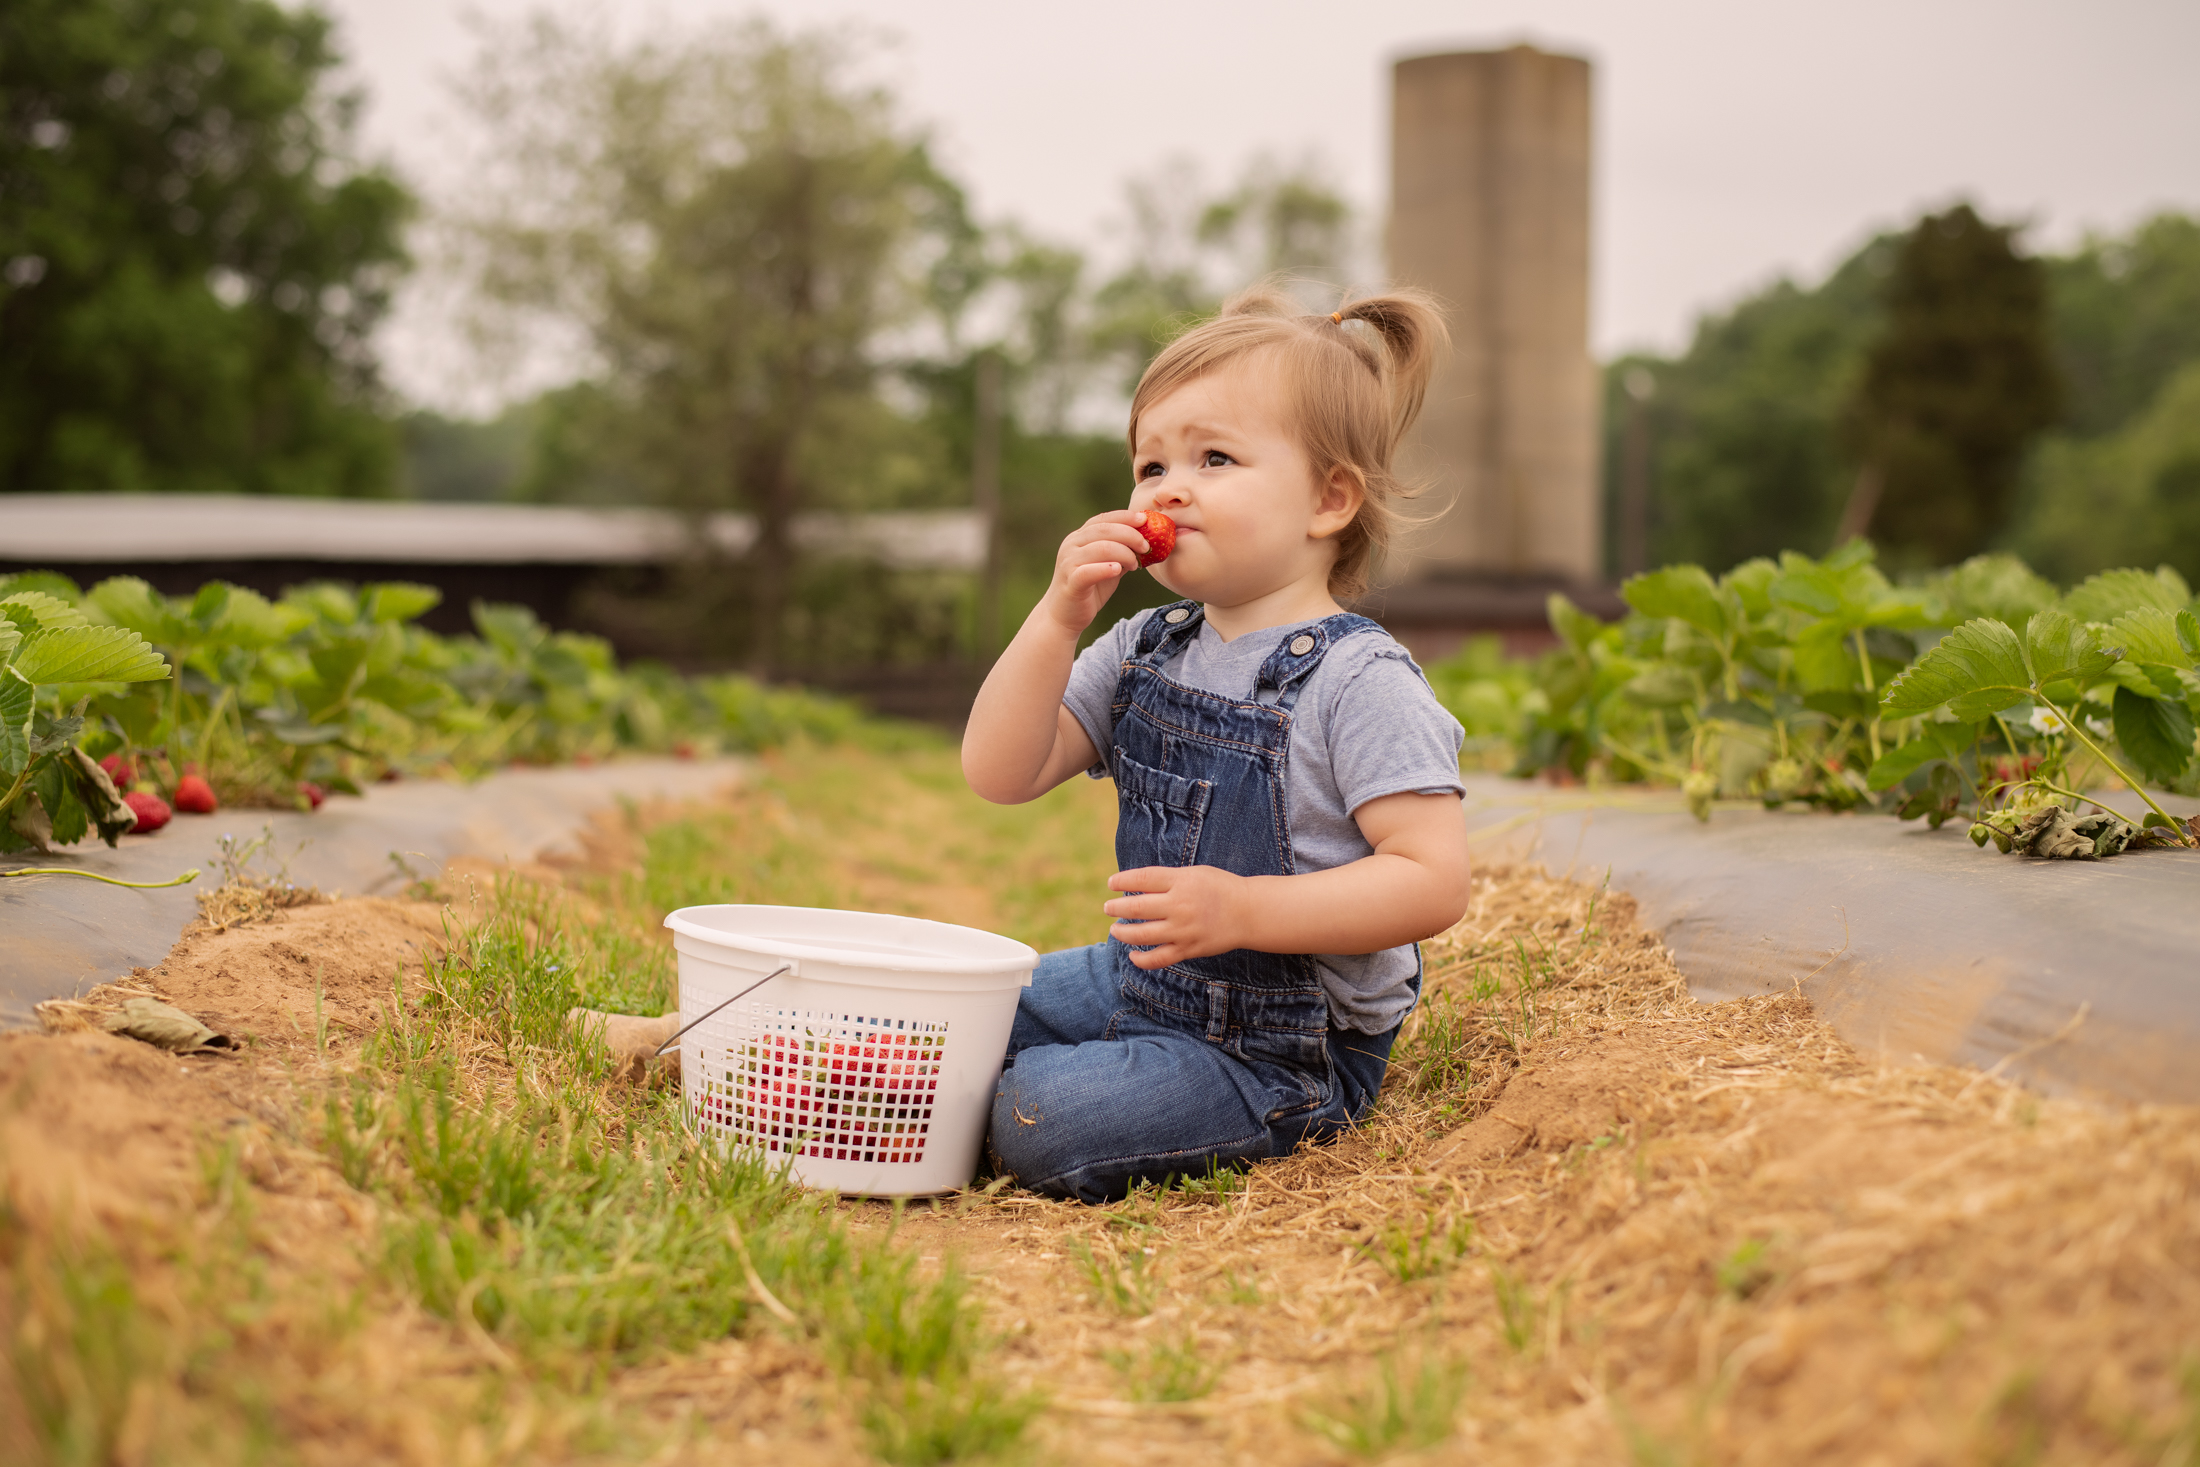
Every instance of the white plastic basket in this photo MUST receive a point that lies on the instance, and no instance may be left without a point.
(869, 1065)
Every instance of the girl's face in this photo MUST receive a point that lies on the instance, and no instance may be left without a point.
(1252, 520)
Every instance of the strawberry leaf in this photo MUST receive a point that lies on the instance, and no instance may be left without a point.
(2155, 732)
(2149, 638)
(1844, 590)
(17, 701)
(88, 655)
(1685, 592)
(1824, 660)
(43, 610)
(50, 734)
(1577, 627)
(2111, 594)
(102, 802)
(399, 600)
(127, 601)
(1898, 764)
(66, 818)
(2059, 648)
(1977, 670)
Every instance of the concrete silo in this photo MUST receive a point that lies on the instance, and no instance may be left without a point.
(1490, 210)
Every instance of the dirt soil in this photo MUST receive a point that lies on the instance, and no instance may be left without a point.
(1639, 1229)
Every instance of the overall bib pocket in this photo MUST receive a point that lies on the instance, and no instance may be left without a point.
(1162, 814)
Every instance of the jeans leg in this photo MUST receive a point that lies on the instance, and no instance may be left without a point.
(1090, 1120)
(1072, 996)
(1360, 1061)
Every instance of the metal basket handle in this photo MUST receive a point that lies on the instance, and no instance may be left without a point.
(744, 993)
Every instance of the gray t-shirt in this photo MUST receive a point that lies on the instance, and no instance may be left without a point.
(1365, 725)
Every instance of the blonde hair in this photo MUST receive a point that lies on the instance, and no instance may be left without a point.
(1355, 392)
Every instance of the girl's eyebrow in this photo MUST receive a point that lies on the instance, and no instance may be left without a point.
(1195, 430)
(1210, 430)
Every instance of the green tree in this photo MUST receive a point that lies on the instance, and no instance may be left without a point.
(1190, 249)
(736, 226)
(2121, 486)
(1959, 382)
(2131, 497)
(193, 262)
(1746, 455)
(1749, 453)
(2126, 315)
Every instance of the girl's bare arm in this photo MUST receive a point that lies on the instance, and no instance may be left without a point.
(1021, 742)
(1414, 886)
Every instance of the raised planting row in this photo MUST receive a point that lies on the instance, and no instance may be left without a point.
(1983, 693)
(119, 705)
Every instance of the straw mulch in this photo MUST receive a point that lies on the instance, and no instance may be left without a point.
(1649, 1231)
(1637, 1229)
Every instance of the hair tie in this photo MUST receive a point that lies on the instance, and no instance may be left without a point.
(1337, 316)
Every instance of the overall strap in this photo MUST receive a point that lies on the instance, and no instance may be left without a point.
(1288, 667)
(1174, 625)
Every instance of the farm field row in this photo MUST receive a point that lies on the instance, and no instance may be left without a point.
(1591, 1221)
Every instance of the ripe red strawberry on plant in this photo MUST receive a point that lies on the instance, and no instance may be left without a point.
(194, 796)
(151, 810)
(120, 770)
(314, 793)
(1160, 533)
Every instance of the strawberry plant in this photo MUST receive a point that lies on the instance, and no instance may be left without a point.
(1759, 683)
(1823, 683)
(2134, 661)
(224, 697)
(51, 663)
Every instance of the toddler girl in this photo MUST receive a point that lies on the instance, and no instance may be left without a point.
(1290, 822)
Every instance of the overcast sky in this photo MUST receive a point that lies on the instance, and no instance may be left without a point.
(1736, 139)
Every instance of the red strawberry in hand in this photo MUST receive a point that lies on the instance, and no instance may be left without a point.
(1160, 533)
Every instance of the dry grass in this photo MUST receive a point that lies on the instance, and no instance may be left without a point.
(1591, 1221)
(1668, 1232)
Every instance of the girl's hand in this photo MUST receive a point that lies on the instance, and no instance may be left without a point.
(1093, 559)
(1179, 912)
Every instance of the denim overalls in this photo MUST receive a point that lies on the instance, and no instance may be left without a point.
(1117, 1075)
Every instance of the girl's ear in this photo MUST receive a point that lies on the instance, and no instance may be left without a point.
(1338, 504)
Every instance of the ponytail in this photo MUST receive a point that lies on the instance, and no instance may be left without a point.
(1414, 335)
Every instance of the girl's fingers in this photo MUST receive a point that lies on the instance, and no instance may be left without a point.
(1145, 878)
(1108, 534)
(1134, 936)
(1105, 552)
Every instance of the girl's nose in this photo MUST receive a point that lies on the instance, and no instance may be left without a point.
(1172, 490)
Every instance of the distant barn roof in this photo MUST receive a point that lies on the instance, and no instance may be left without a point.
(75, 529)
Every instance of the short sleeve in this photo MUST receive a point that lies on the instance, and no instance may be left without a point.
(1388, 735)
(1090, 696)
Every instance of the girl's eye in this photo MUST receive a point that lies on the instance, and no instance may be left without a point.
(1150, 471)
(1215, 458)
